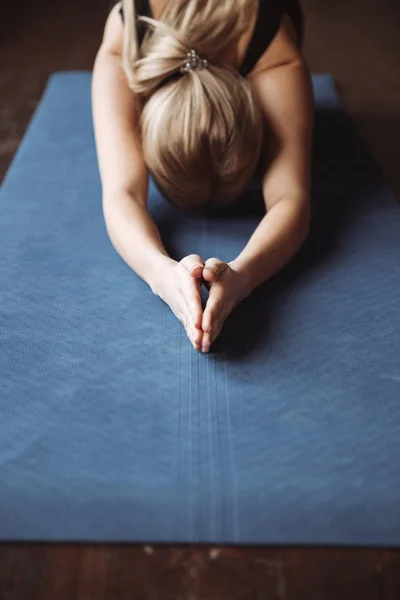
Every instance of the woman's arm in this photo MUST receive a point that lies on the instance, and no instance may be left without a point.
(123, 173)
(124, 179)
(283, 85)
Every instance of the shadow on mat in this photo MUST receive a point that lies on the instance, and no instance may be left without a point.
(343, 170)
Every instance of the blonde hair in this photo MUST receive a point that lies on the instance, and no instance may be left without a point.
(201, 131)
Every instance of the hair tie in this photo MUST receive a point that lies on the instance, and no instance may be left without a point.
(193, 62)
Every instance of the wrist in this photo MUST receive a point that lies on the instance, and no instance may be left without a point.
(245, 277)
(159, 272)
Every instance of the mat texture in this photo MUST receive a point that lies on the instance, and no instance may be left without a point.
(114, 428)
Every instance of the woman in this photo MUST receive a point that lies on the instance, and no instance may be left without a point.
(199, 93)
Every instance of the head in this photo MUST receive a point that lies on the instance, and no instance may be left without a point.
(201, 130)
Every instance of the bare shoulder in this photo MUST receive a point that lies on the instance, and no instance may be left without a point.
(283, 49)
(113, 33)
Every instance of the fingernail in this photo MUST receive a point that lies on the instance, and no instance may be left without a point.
(205, 349)
(196, 267)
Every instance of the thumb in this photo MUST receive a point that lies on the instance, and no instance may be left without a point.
(213, 269)
(194, 264)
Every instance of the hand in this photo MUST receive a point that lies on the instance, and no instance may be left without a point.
(179, 286)
(227, 286)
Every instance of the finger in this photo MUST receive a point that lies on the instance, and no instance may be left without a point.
(209, 338)
(206, 343)
(219, 319)
(214, 336)
(194, 335)
(213, 307)
(182, 313)
(190, 291)
(197, 338)
(194, 264)
(213, 269)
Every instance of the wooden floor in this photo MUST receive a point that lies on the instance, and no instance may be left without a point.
(359, 42)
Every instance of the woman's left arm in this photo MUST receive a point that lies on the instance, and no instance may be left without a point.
(282, 82)
(283, 85)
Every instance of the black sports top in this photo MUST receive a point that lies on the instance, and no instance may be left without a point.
(268, 21)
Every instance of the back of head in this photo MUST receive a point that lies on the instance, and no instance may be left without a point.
(201, 130)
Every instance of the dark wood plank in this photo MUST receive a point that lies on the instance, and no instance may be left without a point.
(358, 42)
(44, 571)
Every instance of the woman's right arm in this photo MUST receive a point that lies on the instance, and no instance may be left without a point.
(123, 173)
(124, 179)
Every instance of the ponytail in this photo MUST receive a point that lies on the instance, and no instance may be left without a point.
(201, 129)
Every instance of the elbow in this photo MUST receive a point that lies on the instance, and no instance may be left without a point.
(304, 227)
(302, 224)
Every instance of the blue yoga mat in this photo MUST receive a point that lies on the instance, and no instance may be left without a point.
(114, 429)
